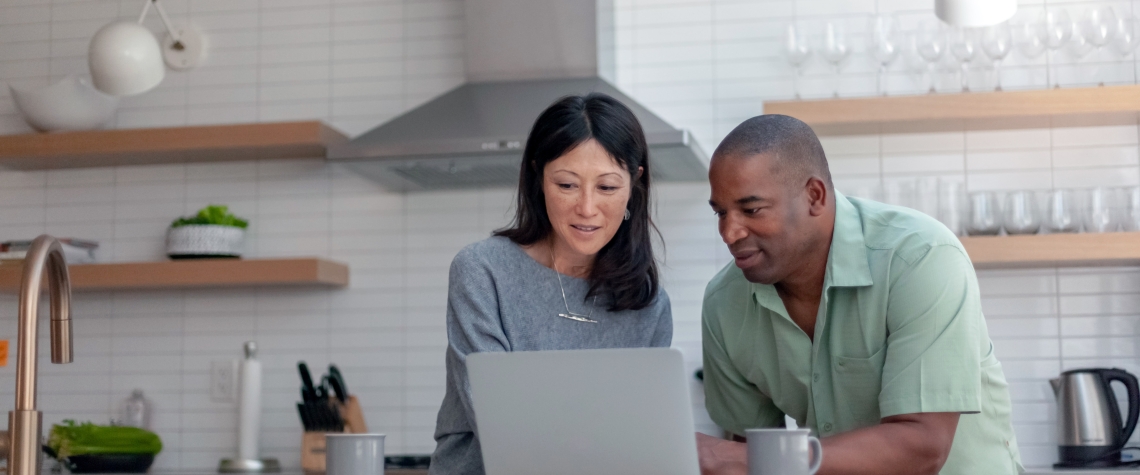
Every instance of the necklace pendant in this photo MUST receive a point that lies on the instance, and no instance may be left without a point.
(577, 318)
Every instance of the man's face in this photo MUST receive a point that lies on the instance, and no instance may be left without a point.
(762, 218)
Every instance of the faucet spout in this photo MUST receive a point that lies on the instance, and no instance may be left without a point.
(25, 422)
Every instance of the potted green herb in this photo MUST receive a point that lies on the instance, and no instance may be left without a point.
(212, 233)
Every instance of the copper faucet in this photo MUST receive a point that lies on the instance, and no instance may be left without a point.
(23, 438)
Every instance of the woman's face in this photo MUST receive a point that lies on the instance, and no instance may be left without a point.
(586, 195)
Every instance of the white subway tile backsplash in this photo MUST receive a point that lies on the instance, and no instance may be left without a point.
(702, 65)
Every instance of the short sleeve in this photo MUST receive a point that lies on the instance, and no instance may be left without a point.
(934, 320)
(733, 402)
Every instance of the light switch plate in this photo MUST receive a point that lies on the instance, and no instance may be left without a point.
(223, 380)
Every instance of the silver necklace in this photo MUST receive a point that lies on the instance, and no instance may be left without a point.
(577, 317)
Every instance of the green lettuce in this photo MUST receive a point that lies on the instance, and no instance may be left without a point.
(86, 439)
(212, 214)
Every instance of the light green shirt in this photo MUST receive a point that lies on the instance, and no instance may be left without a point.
(899, 331)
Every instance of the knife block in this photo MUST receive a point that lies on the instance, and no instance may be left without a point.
(313, 443)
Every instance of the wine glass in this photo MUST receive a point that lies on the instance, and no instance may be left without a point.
(997, 41)
(1078, 47)
(964, 47)
(883, 44)
(1058, 29)
(1098, 26)
(835, 49)
(1029, 39)
(952, 206)
(930, 44)
(1127, 35)
(797, 52)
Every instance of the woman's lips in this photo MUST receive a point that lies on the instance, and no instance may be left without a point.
(587, 230)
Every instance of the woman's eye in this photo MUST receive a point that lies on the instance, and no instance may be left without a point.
(607, 188)
(566, 186)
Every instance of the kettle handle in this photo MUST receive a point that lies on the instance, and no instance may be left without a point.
(1117, 374)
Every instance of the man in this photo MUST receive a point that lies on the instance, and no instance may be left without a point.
(859, 320)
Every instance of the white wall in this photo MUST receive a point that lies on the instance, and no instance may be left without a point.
(704, 65)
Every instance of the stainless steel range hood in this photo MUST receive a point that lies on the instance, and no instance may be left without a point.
(521, 56)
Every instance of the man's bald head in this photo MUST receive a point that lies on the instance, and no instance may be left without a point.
(795, 150)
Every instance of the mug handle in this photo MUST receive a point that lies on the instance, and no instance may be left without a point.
(816, 455)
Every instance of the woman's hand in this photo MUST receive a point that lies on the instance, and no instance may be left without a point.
(721, 457)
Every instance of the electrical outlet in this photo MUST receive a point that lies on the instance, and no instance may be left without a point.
(223, 380)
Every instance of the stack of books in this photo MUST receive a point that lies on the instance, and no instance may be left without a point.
(75, 251)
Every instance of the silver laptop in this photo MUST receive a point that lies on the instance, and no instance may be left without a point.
(596, 412)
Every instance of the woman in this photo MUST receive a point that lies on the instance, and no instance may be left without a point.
(574, 271)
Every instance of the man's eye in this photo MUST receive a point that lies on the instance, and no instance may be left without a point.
(751, 211)
(719, 214)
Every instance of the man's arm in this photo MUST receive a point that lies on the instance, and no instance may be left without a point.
(906, 444)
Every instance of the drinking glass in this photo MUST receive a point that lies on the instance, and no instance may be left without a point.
(1098, 27)
(997, 41)
(1102, 207)
(1021, 213)
(797, 52)
(1132, 209)
(952, 206)
(1058, 29)
(883, 44)
(835, 49)
(1063, 213)
(899, 192)
(930, 44)
(985, 214)
(964, 47)
(926, 195)
(1127, 35)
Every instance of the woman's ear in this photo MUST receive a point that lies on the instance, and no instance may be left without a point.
(640, 170)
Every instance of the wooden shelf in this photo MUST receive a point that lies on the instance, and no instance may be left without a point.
(1053, 250)
(1066, 107)
(98, 148)
(195, 274)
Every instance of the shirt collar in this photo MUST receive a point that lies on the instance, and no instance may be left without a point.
(847, 264)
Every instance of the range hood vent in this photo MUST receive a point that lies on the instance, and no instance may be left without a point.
(521, 56)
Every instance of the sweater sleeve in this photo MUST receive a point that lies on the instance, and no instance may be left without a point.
(473, 325)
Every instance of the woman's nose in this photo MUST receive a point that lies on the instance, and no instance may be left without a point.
(587, 203)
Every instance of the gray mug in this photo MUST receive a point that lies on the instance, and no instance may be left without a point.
(354, 454)
(782, 452)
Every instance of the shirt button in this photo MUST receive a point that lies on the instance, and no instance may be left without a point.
(816, 377)
(827, 427)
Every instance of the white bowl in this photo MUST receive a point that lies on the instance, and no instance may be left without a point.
(204, 240)
(70, 104)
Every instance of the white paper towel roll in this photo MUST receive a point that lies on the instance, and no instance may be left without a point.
(249, 410)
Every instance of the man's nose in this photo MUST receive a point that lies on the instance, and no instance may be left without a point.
(731, 230)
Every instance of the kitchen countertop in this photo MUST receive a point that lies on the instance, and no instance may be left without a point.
(1090, 471)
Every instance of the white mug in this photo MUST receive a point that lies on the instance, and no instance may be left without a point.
(354, 454)
(782, 452)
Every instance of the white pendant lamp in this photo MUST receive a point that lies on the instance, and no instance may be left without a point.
(974, 13)
(126, 59)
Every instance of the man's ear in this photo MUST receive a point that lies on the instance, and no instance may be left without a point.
(818, 196)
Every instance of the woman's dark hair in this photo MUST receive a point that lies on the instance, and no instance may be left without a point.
(624, 269)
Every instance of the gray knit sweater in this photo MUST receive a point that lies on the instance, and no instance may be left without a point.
(500, 299)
